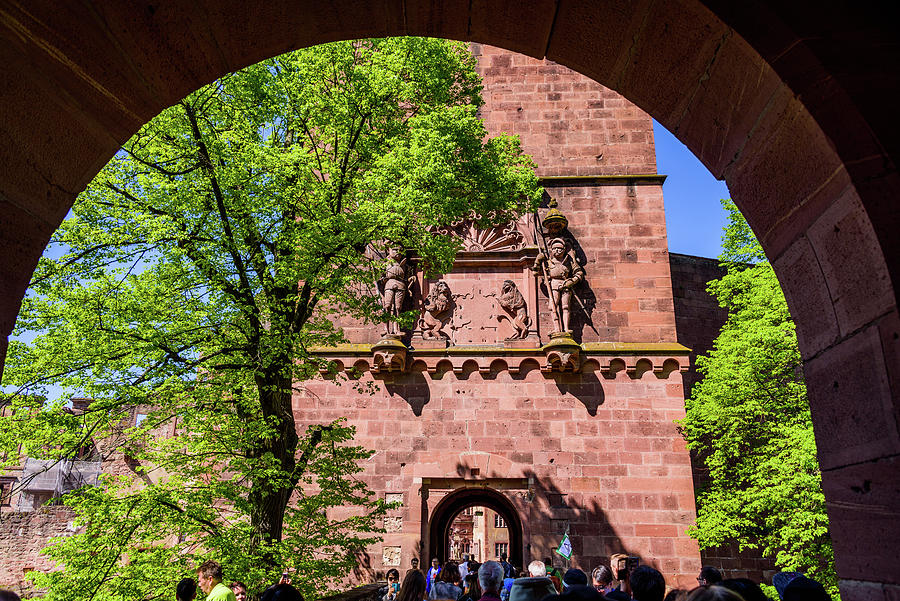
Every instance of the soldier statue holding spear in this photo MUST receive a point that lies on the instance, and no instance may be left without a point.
(563, 273)
(559, 269)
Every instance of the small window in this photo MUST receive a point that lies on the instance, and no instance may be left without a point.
(139, 419)
(499, 522)
(6, 487)
(557, 500)
(501, 549)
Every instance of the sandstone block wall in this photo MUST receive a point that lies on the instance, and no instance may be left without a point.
(598, 449)
(583, 138)
(698, 316)
(22, 536)
(603, 455)
(570, 124)
(698, 319)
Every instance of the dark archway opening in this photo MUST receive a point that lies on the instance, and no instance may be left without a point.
(455, 503)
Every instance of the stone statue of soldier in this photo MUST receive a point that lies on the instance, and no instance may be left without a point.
(564, 273)
(395, 285)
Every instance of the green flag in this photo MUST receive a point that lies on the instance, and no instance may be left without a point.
(565, 547)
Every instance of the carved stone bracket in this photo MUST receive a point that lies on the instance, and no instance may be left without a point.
(389, 355)
(563, 354)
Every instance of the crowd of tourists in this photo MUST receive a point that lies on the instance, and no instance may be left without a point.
(210, 582)
(540, 581)
(501, 581)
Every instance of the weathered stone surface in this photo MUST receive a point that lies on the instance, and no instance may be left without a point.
(22, 536)
(80, 82)
(528, 422)
(390, 556)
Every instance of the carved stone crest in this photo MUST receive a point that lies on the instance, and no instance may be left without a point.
(438, 311)
(516, 308)
(477, 239)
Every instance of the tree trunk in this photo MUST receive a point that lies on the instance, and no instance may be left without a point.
(269, 497)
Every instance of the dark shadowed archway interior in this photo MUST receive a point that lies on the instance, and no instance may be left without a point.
(454, 503)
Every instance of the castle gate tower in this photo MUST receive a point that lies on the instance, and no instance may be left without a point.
(544, 377)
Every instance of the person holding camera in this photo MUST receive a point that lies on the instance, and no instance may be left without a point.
(393, 585)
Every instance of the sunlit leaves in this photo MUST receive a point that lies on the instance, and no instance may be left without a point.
(748, 421)
(196, 272)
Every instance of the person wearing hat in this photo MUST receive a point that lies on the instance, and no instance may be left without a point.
(574, 577)
(564, 273)
(531, 589)
(802, 588)
(782, 579)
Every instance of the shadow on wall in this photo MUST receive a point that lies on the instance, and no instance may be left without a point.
(414, 386)
(547, 513)
(363, 570)
(553, 512)
(584, 386)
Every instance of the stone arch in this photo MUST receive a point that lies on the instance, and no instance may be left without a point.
(790, 109)
(455, 502)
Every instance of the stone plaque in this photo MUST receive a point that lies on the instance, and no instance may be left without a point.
(393, 524)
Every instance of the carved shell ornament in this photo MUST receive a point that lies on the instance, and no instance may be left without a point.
(476, 239)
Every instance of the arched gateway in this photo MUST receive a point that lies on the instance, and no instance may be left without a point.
(792, 103)
(451, 505)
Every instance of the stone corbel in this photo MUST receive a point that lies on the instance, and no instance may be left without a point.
(389, 356)
(563, 354)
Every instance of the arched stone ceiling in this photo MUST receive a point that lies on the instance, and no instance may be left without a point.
(792, 103)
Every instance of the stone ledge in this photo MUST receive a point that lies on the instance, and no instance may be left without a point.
(642, 179)
(590, 348)
(489, 359)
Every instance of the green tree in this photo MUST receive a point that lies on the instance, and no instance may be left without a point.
(748, 421)
(200, 267)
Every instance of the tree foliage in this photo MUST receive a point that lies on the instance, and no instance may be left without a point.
(199, 268)
(748, 421)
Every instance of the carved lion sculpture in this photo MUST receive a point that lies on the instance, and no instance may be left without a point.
(438, 307)
(514, 304)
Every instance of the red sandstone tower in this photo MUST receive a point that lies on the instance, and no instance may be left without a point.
(576, 438)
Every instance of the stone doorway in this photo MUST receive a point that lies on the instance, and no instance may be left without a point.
(455, 504)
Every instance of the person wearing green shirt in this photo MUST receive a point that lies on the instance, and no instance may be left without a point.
(209, 576)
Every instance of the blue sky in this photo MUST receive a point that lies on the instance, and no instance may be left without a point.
(694, 217)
